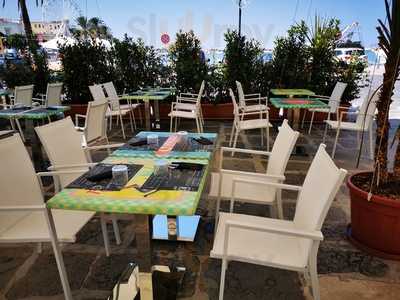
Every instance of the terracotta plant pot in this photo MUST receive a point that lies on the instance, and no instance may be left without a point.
(375, 224)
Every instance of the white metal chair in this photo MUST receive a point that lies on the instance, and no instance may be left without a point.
(364, 123)
(24, 217)
(62, 144)
(277, 162)
(53, 94)
(23, 95)
(187, 108)
(112, 96)
(245, 98)
(334, 104)
(188, 101)
(240, 124)
(94, 129)
(291, 245)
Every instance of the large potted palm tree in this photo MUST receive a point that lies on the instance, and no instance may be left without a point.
(375, 195)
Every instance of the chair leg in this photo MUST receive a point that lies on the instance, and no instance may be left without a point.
(325, 132)
(176, 124)
(235, 140)
(198, 125)
(58, 256)
(232, 133)
(131, 121)
(105, 234)
(170, 124)
(371, 142)
(122, 126)
(110, 123)
(311, 122)
(304, 118)
(222, 281)
(314, 274)
(116, 229)
(20, 130)
(279, 205)
(336, 140)
(268, 138)
(262, 137)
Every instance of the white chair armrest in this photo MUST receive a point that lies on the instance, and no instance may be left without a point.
(183, 95)
(71, 166)
(248, 151)
(279, 186)
(23, 207)
(100, 147)
(252, 95)
(308, 234)
(253, 174)
(184, 99)
(56, 173)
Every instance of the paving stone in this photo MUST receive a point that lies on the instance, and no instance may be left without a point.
(10, 260)
(246, 281)
(43, 278)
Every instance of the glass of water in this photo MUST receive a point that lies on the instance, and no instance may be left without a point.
(120, 175)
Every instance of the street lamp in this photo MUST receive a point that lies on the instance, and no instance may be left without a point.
(241, 4)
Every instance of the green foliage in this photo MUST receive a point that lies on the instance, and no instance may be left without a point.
(290, 58)
(306, 59)
(136, 64)
(17, 74)
(84, 64)
(92, 28)
(242, 60)
(187, 61)
(17, 41)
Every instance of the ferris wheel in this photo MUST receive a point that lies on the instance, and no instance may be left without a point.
(60, 10)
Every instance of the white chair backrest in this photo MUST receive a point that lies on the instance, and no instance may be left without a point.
(95, 123)
(235, 106)
(97, 92)
(282, 149)
(201, 91)
(110, 90)
(53, 94)
(320, 186)
(112, 95)
(23, 95)
(239, 86)
(367, 111)
(336, 96)
(63, 145)
(19, 184)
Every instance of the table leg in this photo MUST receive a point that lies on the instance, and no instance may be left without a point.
(147, 114)
(296, 118)
(36, 146)
(143, 245)
(157, 113)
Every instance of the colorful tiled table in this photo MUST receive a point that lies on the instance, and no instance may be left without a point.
(154, 95)
(31, 115)
(293, 108)
(131, 201)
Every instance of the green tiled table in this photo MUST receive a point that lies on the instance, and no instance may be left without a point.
(31, 116)
(154, 95)
(293, 110)
(292, 92)
(130, 200)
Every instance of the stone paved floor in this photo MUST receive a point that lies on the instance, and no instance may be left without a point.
(344, 271)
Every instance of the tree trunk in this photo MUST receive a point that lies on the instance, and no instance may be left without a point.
(33, 45)
(382, 132)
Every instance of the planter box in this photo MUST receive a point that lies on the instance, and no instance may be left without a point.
(223, 111)
(375, 224)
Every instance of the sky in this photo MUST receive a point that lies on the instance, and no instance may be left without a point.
(261, 19)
